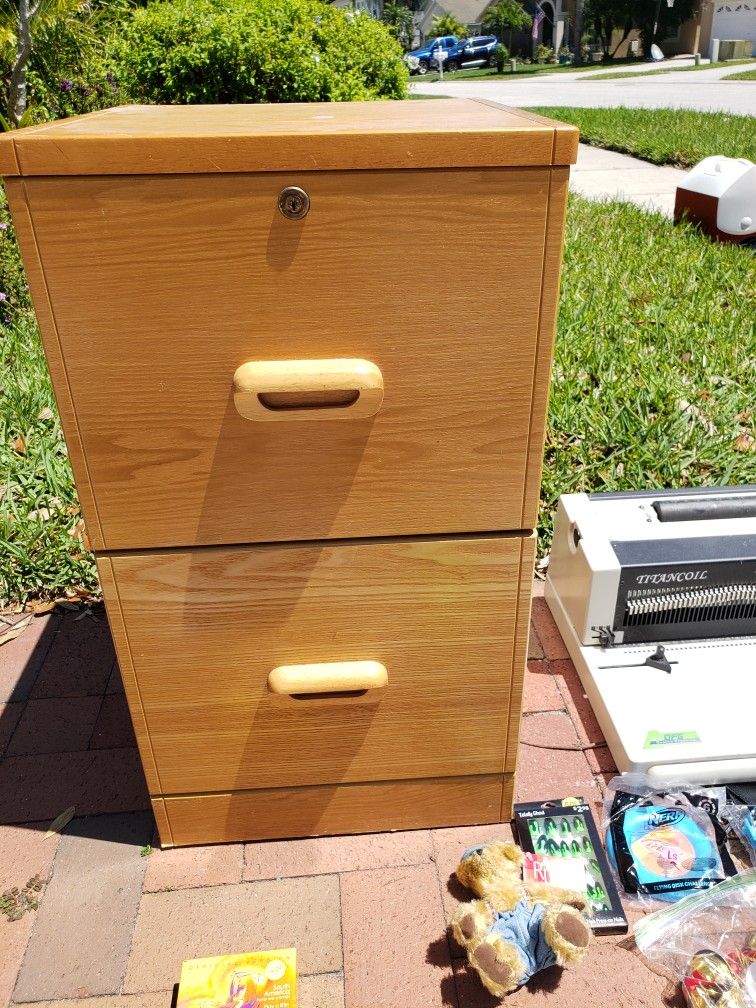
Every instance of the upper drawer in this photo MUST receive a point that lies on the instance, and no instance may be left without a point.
(161, 287)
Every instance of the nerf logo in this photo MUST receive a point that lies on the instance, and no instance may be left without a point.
(666, 818)
(676, 578)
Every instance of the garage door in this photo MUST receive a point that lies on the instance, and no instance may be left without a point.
(735, 20)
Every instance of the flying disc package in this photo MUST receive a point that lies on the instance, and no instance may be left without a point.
(661, 845)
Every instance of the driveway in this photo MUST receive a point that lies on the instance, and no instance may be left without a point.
(702, 89)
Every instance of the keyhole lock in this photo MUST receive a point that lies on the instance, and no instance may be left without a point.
(293, 202)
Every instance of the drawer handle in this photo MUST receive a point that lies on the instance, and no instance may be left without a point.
(308, 389)
(328, 677)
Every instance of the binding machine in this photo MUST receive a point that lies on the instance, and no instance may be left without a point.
(654, 594)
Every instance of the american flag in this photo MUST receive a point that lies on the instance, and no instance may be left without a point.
(539, 16)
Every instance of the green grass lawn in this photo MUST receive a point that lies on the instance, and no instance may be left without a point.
(655, 358)
(666, 70)
(743, 75)
(41, 548)
(681, 137)
(523, 70)
(653, 386)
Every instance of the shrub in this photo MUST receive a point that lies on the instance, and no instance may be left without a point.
(447, 24)
(227, 51)
(502, 57)
(14, 292)
(544, 54)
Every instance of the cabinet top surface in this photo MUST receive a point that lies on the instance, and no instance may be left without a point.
(178, 139)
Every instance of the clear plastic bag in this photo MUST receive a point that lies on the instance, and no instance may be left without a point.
(707, 942)
(742, 821)
(663, 844)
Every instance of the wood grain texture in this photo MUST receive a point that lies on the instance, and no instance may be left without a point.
(346, 808)
(507, 799)
(566, 142)
(179, 280)
(565, 139)
(15, 190)
(161, 822)
(206, 627)
(313, 137)
(130, 685)
(520, 655)
(544, 350)
(8, 160)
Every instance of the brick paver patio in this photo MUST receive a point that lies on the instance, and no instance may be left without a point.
(367, 914)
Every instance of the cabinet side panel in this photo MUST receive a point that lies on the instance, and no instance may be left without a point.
(273, 813)
(520, 655)
(552, 263)
(130, 685)
(162, 823)
(507, 798)
(22, 221)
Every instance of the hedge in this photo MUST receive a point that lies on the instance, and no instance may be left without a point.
(228, 51)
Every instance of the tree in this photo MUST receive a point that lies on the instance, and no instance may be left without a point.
(53, 34)
(400, 19)
(447, 24)
(578, 26)
(607, 15)
(506, 15)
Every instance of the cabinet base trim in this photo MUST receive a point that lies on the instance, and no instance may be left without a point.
(378, 806)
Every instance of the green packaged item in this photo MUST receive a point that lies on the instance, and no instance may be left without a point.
(563, 849)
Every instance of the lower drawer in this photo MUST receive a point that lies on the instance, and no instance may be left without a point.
(204, 628)
(346, 808)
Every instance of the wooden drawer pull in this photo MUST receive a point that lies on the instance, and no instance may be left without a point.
(341, 388)
(328, 677)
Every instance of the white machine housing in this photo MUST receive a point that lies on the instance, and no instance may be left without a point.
(631, 571)
(720, 192)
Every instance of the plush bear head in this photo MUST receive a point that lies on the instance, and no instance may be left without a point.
(492, 871)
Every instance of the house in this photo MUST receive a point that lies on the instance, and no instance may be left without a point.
(722, 19)
(372, 7)
(554, 30)
(468, 12)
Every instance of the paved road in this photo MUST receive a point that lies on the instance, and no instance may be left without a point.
(701, 89)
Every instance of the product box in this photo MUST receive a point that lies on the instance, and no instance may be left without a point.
(561, 846)
(247, 980)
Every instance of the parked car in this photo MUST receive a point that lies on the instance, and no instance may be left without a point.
(426, 55)
(480, 50)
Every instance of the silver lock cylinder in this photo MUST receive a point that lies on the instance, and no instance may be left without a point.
(293, 203)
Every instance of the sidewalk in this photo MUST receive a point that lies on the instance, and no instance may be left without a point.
(706, 90)
(602, 174)
(367, 914)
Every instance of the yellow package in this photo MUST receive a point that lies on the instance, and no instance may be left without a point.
(247, 980)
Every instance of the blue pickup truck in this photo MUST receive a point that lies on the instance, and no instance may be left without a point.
(480, 50)
(427, 54)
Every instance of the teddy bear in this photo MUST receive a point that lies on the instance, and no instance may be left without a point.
(515, 928)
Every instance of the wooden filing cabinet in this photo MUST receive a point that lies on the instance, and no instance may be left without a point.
(301, 356)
